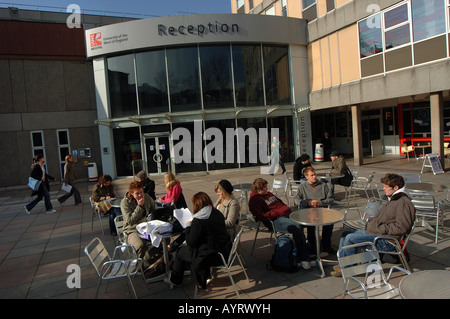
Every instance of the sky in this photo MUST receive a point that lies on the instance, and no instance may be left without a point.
(148, 8)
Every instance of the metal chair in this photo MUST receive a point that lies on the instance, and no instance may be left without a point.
(407, 149)
(228, 263)
(124, 263)
(258, 229)
(95, 211)
(121, 236)
(293, 187)
(379, 188)
(399, 247)
(359, 184)
(372, 207)
(280, 186)
(411, 178)
(427, 208)
(365, 269)
(354, 171)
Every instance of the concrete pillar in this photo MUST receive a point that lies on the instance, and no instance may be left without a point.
(437, 125)
(357, 135)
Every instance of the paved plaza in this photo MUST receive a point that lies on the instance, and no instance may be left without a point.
(36, 249)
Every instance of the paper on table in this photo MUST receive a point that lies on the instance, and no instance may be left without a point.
(183, 215)
(67, 188)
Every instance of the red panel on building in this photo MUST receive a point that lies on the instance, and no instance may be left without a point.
(41, 40)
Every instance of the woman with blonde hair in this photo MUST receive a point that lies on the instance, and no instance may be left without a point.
(205, 236)
(174, 192)
(228, 206)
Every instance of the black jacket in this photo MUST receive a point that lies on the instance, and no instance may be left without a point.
(298, 169)
(36, 173)
(206, 237)
(149, 188)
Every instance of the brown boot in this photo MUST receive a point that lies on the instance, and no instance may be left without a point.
(337, 271)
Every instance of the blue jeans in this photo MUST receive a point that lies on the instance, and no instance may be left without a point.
(359, 236)
(113, 212)
(286, 225)
(42, 193)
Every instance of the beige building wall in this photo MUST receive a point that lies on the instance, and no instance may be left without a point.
(334, 59)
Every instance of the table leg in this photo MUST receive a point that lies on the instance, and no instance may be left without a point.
(319, 260)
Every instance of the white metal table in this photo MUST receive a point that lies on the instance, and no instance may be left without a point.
(317, 217)
(426, 284)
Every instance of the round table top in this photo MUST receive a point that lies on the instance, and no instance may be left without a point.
(242, 187)
(428, 187)
(116, 202)
(316, 216)
(426, 284)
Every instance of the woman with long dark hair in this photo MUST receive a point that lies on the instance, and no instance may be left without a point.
(38, 172)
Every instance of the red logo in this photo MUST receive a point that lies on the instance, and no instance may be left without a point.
(96, 39)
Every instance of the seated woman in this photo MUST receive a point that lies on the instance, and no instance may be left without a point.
(136, 206)
(228, 206)
(266, 207)
(174, 191)
(205, 236)
(104, 190)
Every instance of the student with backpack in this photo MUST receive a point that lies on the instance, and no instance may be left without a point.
(266, 207)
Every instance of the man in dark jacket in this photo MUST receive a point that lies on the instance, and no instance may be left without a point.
(149, 185)
(300, 164)
(394, 219)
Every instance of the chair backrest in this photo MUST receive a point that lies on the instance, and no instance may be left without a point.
(118, 222)
(423, 201)
(380, 191)
(181, 202)
(364, 261)
(97, 254)
(236, 241)
(411, 178)
(279, 185)
(372, 207)
(354, 171)
(370, 178)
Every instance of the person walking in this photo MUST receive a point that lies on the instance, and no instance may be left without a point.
(38, 172)
(70, 178)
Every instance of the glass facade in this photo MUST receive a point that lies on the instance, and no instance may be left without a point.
(196, 78)
(428, 18)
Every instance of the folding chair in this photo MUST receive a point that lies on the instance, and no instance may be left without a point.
(427, 208)
(280, 186)
(399, 248)
(228, 263)
(95, 211)
(365, 269)
(121, 236)
(359, 184)
(372, 207)
(124, 263)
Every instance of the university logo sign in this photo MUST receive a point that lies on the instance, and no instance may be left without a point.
(95, 39)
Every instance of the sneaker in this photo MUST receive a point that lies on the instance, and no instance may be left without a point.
(26, 210)
(51, 211)
(305, 265)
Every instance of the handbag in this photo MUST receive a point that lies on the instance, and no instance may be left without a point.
(34, 183)
(104, 206)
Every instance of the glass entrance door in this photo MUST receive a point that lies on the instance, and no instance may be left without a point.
(158, 154)
(370, 131)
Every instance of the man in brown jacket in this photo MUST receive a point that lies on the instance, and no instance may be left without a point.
(394, 219)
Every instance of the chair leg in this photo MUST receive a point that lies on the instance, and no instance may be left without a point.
(243, 268)
(254, 241)
(130, 283)
(232, 282)
(98, 287)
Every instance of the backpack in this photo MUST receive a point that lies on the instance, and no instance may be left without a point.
(284, 257)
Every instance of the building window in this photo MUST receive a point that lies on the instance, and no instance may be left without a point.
(276, 75)
(248, 75)
(38, 144)
(270, 11)
(127, 145)
(240, 8)
(63, 148)
(397, 27)
(428, 18)
(216, 76)
(308, 3)
(330, 5)
(152, 82)
(283, 8)
(370, 36)
(184, 82)
(122, 86)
